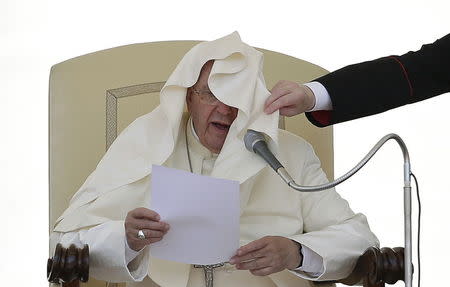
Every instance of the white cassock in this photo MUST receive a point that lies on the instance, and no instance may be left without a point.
(320, 221)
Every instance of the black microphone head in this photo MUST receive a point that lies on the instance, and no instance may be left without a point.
(251, 138)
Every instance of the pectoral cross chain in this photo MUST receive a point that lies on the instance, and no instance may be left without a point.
(209, 273)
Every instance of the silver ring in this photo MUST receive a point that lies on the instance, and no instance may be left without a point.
(141, 234)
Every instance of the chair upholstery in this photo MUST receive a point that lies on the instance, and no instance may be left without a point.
(95, 96)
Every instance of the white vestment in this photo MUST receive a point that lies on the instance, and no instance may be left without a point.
(322, 221)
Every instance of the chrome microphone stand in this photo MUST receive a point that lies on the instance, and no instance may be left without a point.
(406, 193)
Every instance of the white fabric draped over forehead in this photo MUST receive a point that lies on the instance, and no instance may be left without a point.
(236, 79)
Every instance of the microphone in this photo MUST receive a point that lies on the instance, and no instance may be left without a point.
(256, 142)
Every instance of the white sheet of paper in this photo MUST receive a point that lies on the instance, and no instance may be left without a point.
(203, 213)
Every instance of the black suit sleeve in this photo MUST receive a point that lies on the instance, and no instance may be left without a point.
(376, 86)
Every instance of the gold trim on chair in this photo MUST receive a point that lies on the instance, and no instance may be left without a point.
(111, 105)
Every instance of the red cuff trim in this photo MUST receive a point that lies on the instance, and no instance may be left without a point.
(322, 117)
(406, 75)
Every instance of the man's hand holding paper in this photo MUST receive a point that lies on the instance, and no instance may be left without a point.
(147, 221)
(268, 255)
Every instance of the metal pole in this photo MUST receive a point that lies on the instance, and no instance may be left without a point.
(407, 216)
(406, 194)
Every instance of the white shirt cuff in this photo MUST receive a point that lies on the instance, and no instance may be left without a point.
(312, 262)
(130, 254)
(323, 100)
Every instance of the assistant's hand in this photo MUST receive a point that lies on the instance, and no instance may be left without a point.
(268, 255)
(147, 220)
(290, 98)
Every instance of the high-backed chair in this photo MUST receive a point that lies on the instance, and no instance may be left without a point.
(92, 98)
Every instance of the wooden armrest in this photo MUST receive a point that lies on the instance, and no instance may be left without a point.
(68, 265)
(376, 267)
(373, 269)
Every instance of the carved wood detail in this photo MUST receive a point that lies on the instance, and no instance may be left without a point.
(378, 266)
(68, 265)
(373, 269)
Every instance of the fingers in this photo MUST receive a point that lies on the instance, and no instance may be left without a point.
(261, 262)
(252, 246)
(151, 235)
(289, 98)
(144, 213)
(255, 264)
(137, 244)
(250, 251)
(260, 267)
(267, 255)
(143, 218)
(147, 232)
(133, 225)
(149, 222)
(280, 89)
(251, 255)
(286, 101)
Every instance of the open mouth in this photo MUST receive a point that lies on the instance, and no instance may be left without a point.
(221, 126)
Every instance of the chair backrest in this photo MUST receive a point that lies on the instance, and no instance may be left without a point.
(95, 96)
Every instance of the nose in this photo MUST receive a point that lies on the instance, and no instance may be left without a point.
(224, 109)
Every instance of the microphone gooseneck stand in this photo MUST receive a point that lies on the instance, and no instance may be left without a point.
(254, 138)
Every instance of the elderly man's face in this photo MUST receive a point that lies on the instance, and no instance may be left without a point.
(212, 118)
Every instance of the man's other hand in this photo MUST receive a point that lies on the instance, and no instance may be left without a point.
(268, 255)
(149, 222)
(290, 98)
